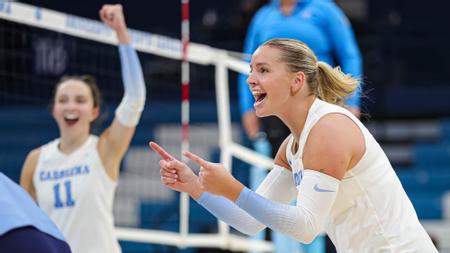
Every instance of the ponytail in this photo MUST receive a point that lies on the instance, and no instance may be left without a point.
(333, 85)
(329, 84)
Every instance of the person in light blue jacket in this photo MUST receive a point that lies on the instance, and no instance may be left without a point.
(321, 25)
(23, 226)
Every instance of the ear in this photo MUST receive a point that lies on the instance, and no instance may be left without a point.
(95, 113)
(298, 83)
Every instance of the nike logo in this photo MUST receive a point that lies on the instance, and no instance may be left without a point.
(318, 189)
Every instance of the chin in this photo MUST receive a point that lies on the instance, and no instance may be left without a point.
(262, 114)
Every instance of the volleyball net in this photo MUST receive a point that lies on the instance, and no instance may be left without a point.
(38, 46)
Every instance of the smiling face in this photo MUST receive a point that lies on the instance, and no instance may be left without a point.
(270, 81)
(73, 107)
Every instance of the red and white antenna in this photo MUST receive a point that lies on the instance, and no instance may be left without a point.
(184, 198)
(185, 75)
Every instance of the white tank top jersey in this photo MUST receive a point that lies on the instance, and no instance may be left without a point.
(77, 194)
(372, 212)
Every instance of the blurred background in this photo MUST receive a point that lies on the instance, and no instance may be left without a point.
(404, 46)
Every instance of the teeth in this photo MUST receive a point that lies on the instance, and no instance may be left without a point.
(258, 93)
(71, 116)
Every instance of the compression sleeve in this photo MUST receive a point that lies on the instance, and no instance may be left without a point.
(345, 47)
(277, 186)
(303, 222)
(132, 104)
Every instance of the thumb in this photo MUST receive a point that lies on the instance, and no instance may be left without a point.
(196, 159)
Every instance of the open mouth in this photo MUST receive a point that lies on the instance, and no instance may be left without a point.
(259, 96)
(71, 119)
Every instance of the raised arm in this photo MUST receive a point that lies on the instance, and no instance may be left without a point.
(115, 140)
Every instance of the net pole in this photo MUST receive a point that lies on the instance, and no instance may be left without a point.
(184, 198)
(225, 134)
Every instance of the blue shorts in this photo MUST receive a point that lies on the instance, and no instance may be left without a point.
(29, 239)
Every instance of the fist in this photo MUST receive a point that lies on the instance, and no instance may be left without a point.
(112, 16)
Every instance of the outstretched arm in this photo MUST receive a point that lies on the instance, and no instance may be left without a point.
(327, 163)
(115, 140)
(178, 176)
(303, 222)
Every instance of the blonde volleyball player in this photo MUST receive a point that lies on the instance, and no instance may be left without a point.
(339, 175)
(73, 178)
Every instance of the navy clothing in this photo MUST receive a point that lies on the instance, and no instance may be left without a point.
(29, 239)
(18, 210)
(320, 24)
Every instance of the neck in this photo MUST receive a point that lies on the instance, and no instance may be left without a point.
(69, 143)
(295, 115)
(287, 6)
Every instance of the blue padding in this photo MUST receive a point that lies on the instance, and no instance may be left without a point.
(158, 215)
(445, 130)
(427, 205)
(432, 154)
(134, 247)
(165, 216)
(425, 180)
(200, 220)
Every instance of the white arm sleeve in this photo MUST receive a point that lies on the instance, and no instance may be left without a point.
(316, 196)
(277, 186)
(130, 109)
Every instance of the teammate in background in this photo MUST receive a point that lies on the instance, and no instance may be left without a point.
(24, 227)
(324, 28)
(73, 178)
(341, 178)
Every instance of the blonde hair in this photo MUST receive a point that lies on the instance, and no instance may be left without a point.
(329, 84)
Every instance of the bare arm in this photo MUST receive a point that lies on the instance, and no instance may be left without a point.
(115, 140)
(26, 177)
(335, 144)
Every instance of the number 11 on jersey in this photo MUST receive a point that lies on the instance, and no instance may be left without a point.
(68, 190)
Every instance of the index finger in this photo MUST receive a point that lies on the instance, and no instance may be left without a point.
(158, 149)
(196, 159)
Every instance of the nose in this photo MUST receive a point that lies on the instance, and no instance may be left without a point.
(251, 80)
(71, 105)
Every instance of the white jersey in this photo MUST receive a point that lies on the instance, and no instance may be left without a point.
(372, 212)
(77, 194)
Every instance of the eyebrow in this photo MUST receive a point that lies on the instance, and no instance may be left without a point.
(261, 64)
(76, 95)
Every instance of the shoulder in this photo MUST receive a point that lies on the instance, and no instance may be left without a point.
(327, 5)
(333, 124)
(331, 144)
(332, 11)
(33, 157)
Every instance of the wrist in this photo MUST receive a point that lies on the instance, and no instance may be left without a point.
(196, 194)
(234, 191)
(123, 36)
(196, 191)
